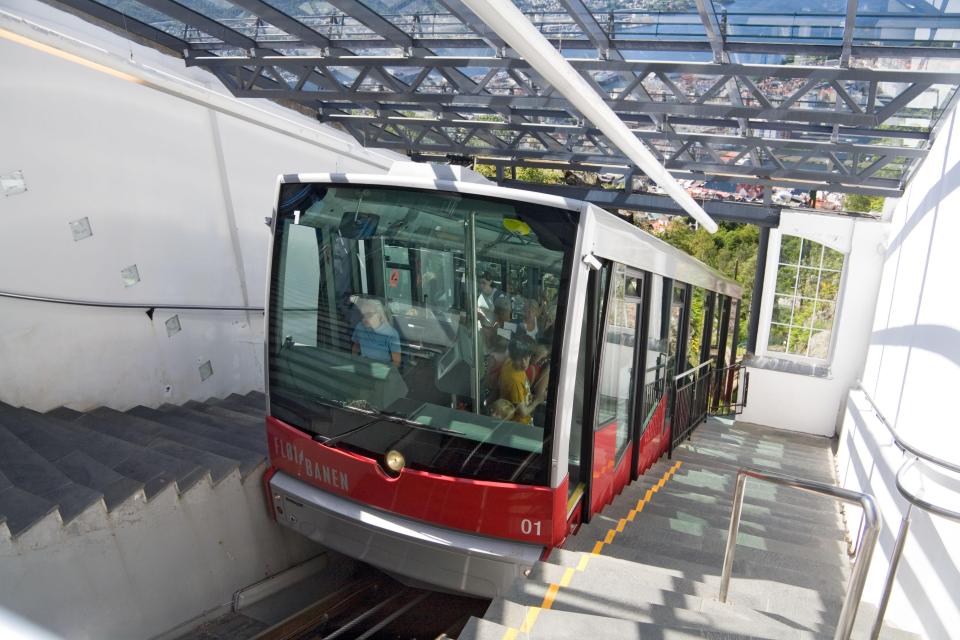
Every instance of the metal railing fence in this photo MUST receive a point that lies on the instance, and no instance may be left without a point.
(691, 395)
(864, 551)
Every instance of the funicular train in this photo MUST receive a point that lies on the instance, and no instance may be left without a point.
(459, 374)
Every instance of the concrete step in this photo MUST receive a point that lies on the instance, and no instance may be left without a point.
(759, 438)
(563, 625)
(240, 436)
(63, 413)
(55, 438)
(713, 482)
(772, 552)
(783, 540)
(232, 424)
(241, 403)
(747, 562)
(690, 578)
(85, 470)
(717, 457)
(239, 445)
(32, 473)
(482, 629)
(20, 510)
(620, 596)
(157, 437)
(716, 510)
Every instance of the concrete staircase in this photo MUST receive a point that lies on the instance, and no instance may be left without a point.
(649, 566)
(123, 524)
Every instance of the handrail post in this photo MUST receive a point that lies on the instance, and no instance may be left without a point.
(891, 573)
(732, 536)
(858, 576)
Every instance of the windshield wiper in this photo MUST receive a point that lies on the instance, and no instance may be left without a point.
(385, 416)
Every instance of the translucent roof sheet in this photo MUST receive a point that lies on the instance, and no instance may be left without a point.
(767, 91)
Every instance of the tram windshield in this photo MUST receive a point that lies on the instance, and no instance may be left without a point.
(419, 321)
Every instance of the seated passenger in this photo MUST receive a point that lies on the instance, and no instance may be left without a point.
(514, 386)
(373, 337)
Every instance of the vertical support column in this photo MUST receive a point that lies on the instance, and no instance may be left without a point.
(757, 296)
(470, 239)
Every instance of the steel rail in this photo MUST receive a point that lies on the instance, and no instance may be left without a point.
(911, 498)
(865, 549)
(904, 446)
(690, 371)
(125, 305)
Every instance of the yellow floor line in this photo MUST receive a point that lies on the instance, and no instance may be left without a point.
(554, 588)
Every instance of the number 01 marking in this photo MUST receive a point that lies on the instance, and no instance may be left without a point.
(528, 526)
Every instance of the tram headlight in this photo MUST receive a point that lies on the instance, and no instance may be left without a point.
(395, 461)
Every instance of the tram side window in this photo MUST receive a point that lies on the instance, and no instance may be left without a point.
(616, 386)
(656, 373)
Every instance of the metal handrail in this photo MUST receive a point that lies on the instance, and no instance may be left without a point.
(690, 371)
(903, 446)
(126, 305)
(865, 549)
(901, 541)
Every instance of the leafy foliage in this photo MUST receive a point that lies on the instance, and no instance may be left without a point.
(863, 204)
(732, 251)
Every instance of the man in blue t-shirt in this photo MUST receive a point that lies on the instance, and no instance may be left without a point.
(373, 337)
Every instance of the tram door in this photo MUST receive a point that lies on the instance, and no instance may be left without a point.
(616, 388)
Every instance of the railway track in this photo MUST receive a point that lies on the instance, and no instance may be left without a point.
(376, 607)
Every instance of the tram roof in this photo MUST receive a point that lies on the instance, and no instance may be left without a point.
(836, 95)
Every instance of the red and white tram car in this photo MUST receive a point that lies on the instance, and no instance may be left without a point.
(454, 368)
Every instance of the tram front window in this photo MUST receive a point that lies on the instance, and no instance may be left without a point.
(393, 325)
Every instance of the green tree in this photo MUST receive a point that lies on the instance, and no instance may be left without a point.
(732, 251)
(863, 204)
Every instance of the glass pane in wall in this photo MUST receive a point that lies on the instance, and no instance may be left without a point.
(819, 344)
(778, 338)
(786, 279)
(807, 290)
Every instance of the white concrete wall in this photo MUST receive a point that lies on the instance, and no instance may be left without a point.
(912, 372)
(175, 176)
(805, 403)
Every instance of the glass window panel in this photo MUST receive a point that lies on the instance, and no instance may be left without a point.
(806, 295)
(829, 285)
(823, 317)
(616, 387)
(786, 280)
(803, 313)
(807, 284)
(819, 344)
(783, 309)
(832, 259)
(778, 338)
(790, 250)
(810, 253)
(799, 340)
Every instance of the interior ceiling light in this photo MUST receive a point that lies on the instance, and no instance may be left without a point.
(90, 64)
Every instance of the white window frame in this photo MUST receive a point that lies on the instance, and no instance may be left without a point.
(769, 297)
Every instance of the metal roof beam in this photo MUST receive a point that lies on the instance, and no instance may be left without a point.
(712, 27)
(818, 74)
(655, 203)
(201, 22)
(611, 167)
(413, 100)
(784, 144)
(283, 22)
(373, 21)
